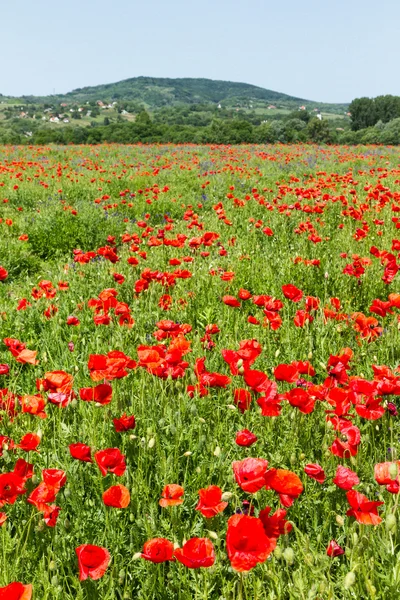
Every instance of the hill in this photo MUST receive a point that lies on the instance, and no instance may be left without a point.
(154, 93)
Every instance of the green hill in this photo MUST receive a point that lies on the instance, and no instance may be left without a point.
(154, 92)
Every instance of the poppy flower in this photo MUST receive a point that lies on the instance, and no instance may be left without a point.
(287, 373)
(250, 474)
(73, 321)
(171, 495)
(247, 543)
(276, 524)
(242, 399)
(196, 553)
(117, 496)
(231, 301)
(315, 472)
(3, 274)
(259, 382)
(301, 399)
(11, 486)
(16, 591)
(291, 292)
(345, 478)
(29, 442)
(81, 452)
(102, 394)
(334, 549)
(286, 483)
(124, 423)
(92, 561)
(387, 474)
(4, 369)
(158, 550)
(245, 438)
(363, 510)
(110, 460)
(210, 503)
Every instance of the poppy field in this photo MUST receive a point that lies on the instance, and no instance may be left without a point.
(199, 372)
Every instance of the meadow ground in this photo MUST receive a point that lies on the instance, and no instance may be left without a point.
(180, 317)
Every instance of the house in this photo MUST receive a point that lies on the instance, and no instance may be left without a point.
(302, 108)
(319, 116)
(271, 107)
(54, 120)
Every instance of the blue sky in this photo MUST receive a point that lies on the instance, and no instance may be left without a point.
(314, 49)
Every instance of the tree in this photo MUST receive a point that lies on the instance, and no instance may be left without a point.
(319, 131)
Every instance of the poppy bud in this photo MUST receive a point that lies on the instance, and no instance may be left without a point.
(391, 523)
(310, 354)
(52, 565)
(226, 496)
(121, 575)
(133, 437)
(202, 420)
(54, 580)
(131, 517)
(136, 555)
(67, 492)
(151, 443)
(239, 363)
(339, 520)
(217, 451)
(188, 453)
(322, 365)
(288, 555)
(76, 368)
(293, 459)
(231, 406)
(241, 371)
(67, 524)
(393, 470)
(355, 539)
(277, 353)
(349, 580)
(213, 535)
(278, 552)
(302, 456)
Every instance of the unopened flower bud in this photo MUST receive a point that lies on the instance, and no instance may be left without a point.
(349, 580)
(226, 496)
(391, 523)
(288, 555)
(393, 470)
(136, 555)
(213, 535)
(151, 443)
(217, 451)
(339, 520)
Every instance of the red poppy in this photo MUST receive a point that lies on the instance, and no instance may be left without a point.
(81, 452)
(101, 393)
(113, 365)
(73, 321)
(259, 382)
(363, 510)
(242, 399)
(276, 524)
(210, 503)
(348, 444)
(287, 373)
(250, 474)
(345, 478)
(124, 423)
(196, 553)
(3, 274)
(231, 301)
(4, 369)
(301, 399)
(158, 550)
(315, 472)
(29, 442)
(117, 496)
(384, 476)
(291, 292)
(110, 460)
(245, 438)
(16, 591)
(171, 495)
(11, 486)
(244, 294)
(286, 483)
(334, 549)
(92, 561)
(247, 543)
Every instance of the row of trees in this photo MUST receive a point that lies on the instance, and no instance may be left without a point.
(367, 112)
(146, 131)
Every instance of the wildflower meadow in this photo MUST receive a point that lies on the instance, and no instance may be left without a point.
(199, 372)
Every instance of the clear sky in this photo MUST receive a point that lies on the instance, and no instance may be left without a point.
(314, 49)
